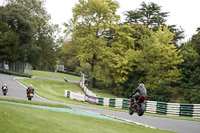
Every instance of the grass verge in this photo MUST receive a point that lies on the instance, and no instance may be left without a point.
(54, 75)
(14, 73)
(54, 90)
(19, 119)
(33, 102)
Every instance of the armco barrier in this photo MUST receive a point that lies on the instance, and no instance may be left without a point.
(106, 101)
(172, 109)
(196, 111)
(112, 102)
(161, 108)
(151, 106)
(125, 104)
(118, 102)
(91, 100)
(186, 109)
(101, 101)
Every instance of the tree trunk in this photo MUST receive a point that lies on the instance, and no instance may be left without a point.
(91, 76)
(91, 82)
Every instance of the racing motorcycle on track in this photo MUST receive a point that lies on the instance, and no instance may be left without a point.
(139, 107)
(5, 90)
(30, 95)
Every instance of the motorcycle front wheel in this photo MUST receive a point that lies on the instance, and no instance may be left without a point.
(131, 110)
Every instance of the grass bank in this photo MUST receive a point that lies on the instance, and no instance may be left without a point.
(14, 73)
(54, 75)
(20, 119)
(33, 102)
(54, 90)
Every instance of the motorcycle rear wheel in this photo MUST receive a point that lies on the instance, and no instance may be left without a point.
(29, 98)
(142, 109)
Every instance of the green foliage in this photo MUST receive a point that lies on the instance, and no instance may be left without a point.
(190, 69)
(15, 17)
(90, 21)
(30, 33)
(161, 93)
(152, 17)
(9, 43)
(159, 59)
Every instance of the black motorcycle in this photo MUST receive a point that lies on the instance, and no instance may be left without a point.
(30, 95)
(139, 107)
(5, 90)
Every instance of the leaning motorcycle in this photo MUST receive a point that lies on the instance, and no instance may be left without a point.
(5, 90)
(30, 95)
(139, 107)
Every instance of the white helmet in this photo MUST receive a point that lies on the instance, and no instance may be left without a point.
(4, 84)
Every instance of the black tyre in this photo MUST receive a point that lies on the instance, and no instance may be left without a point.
(142, 109)
(130, 111)
(4, 94)
(29, 98)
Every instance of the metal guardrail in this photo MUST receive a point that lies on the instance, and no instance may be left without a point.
(172, 109)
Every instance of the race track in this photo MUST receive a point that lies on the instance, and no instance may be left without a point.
(18, 91)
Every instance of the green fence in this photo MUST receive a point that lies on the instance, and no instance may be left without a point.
(186, 110)
(125, 104)
(161, 108)
(112, 102)
(100, 101)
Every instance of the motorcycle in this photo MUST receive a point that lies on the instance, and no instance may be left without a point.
(5, 90)
(30, 95)
(139, 107)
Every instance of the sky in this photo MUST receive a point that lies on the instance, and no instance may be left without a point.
(184, 13)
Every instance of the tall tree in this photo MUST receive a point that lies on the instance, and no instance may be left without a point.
(9, 43)
(91, 19)
(159, 58)
(31, 23)
(190, 69)
(151, 16)
(18, 21)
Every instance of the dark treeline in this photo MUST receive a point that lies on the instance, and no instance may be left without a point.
(116, 56)
(27, 34)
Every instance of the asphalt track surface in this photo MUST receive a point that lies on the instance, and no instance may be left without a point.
(18, 91)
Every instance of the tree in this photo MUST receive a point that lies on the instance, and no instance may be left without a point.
(159, 59)
(91, 19)
(31, 24)
(17, 20)
(9, 43)
(152, 17)
(68, 55)
(190, 69)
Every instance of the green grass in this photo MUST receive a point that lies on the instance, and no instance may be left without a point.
(103, 93)
(174, 117)
(54, 90)
(20, 119)
(54, 75)
(15, 73)
(33, 102)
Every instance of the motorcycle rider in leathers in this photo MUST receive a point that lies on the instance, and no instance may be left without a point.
(4, 86)
(30, 88)
(140, 91)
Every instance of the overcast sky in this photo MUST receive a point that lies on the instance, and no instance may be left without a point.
(184, 13)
